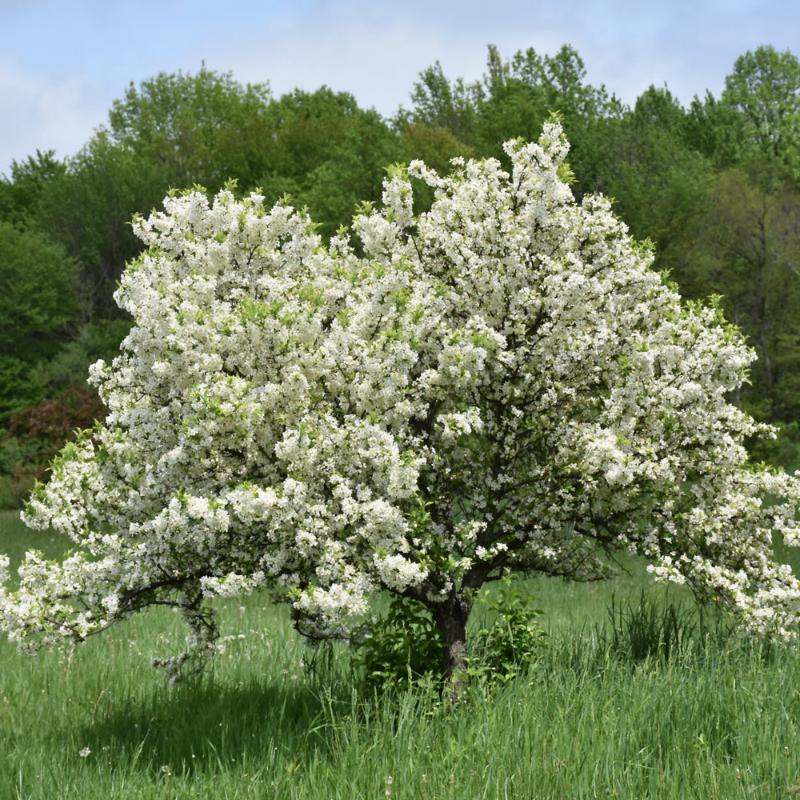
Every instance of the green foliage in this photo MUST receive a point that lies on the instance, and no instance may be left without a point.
(744, 245)
(326, 153)
(88, 212)
(441, 105)
(515, 640)
(36, 291)
(643, 160)
(202, 128)
(716, 131)
(17, 390)
(400, 648)
(404, 646)
(22, 195)
(14, 454)
(764, 90)
(67, 368)
(783, 451)
(37, 304)
(514, 98)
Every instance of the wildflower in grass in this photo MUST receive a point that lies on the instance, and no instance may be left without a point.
(420, 405)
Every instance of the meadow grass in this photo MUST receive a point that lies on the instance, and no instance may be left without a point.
(719, 718)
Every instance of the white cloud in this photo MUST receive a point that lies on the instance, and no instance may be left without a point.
(376, 60)
(41, 112)
(377, 54)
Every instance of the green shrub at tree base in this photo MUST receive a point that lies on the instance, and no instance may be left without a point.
(513, 642)
(399, 647)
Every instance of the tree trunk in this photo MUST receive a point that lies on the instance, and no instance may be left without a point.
(451, 620)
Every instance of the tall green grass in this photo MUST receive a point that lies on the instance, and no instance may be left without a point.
(606, 712)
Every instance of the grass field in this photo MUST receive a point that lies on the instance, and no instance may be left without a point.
(720, 721)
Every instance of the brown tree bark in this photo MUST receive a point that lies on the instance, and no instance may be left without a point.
(451, 620)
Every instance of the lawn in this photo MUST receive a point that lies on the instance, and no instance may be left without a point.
(719, 720)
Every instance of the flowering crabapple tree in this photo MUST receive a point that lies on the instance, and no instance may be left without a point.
(499, 384)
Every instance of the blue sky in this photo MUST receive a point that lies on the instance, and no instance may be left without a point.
(62, 62)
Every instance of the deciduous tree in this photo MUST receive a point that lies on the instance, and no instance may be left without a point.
(501, 383)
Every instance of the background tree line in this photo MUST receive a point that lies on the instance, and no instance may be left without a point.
(715, 186)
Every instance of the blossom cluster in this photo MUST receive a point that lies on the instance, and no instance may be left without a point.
(501, 382)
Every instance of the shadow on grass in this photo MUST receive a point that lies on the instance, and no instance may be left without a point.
(207, 726)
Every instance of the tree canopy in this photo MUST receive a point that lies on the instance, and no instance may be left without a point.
(36, 306)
